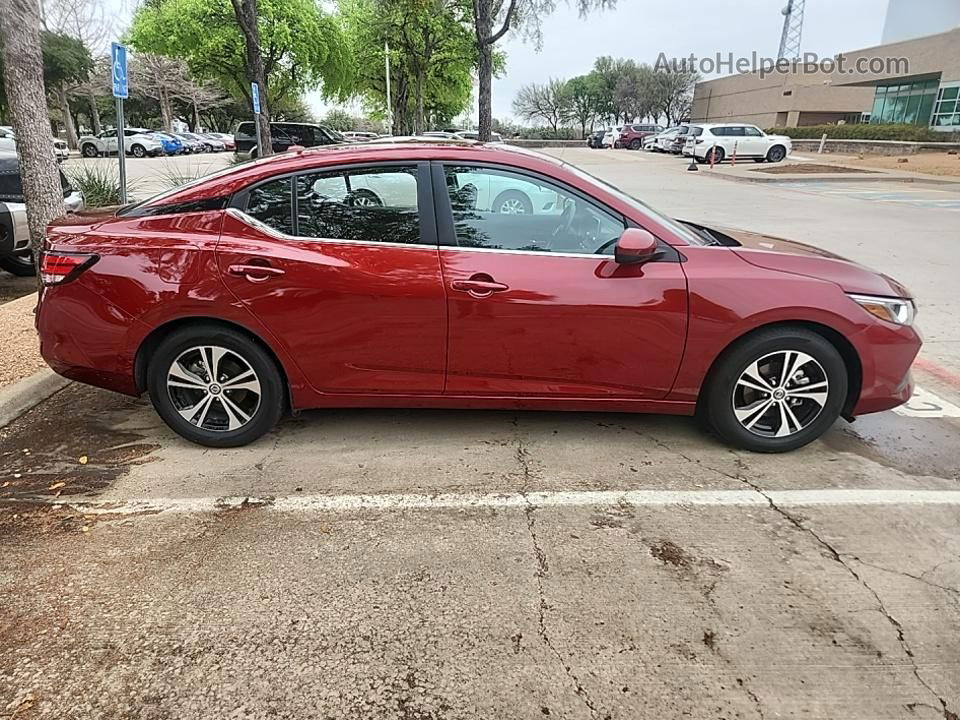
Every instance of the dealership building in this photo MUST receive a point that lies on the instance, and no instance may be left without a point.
(913, 78)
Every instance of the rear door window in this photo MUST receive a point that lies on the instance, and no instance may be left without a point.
(364, 204)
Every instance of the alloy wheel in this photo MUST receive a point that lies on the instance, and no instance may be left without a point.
(512, 206)
(214, 388)
(780, 394)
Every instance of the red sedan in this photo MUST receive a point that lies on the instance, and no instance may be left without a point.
(417, 275)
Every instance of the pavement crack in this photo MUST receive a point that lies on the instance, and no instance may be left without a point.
(954, 593)
(838, 557)
(522, 455)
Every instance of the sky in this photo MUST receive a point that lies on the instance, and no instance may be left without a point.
(643, 29)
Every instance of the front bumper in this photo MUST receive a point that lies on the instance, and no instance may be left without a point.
(886, 354)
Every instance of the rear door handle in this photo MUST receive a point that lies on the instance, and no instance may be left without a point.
(255, 273)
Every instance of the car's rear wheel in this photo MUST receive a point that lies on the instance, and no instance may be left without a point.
(138, 151)
(364, 198)
(20, 264)
(776, 390)
(89, 150)
(635, 144)
(215, 386)
(512, 202)
(776, 154)
(717, 153)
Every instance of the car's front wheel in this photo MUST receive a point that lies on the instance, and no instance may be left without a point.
(512, 202)
(635, 144)
(776, 154)
(215, 386)
(138, 151)
(776, 390)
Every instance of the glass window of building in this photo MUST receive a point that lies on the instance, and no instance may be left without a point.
(910, 104)
(946, 115)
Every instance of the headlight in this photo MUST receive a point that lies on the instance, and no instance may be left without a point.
(899, 311)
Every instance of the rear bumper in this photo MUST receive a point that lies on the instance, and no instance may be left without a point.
(86, 338)
(886, 354)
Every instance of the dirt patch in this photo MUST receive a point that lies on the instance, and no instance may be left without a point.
(670, 554)
(812, 169)
(69, 446)
(13, 287)
(940, 164)
(19, 346)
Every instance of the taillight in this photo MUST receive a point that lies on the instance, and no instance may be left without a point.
(57, 268)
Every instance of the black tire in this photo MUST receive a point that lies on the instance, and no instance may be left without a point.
(635, 144)
(719, 393)
(138, 151)
(272, 398)
(89, 150)
(776, 154)
(512, 199)
(19, 265)
(718, 154)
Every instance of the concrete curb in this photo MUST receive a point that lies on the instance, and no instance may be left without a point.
(847, 178)
(26, 394)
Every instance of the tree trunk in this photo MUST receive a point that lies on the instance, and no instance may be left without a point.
(68, 118)
(166, 113)
(94, 113)
(27, 101)
(246, 12)
(484, 21)
(418, 121)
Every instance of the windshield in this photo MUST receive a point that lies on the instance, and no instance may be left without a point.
(675, 226)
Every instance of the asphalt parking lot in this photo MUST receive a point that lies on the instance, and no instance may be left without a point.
(428, 565)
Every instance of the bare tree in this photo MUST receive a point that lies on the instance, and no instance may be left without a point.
(674, 90)
(158, 77)
(550, 103)
(202, 97)
(492, 19)
(247, 18)
(88, 22)
(26, 97)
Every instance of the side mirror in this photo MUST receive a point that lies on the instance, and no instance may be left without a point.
(635, 246)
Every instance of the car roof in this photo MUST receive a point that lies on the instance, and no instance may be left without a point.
(411, 149)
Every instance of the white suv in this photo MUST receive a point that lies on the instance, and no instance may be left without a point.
(726, 139)
(136, 141)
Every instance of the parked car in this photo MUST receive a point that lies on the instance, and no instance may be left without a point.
(749, 142)
(432, 299)
(611, 137)
(474, 135)
(8, 143)
(136, 141)
(225, 138)
(172, 145)
(632, 136)
(358, 136)
(595, 139)
(661, 141)
(285, 135)
(676, 144)
(15, 255)
(191, 144)
(209, 144)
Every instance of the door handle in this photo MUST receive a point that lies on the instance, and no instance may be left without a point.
(479, 288)
(255, 273)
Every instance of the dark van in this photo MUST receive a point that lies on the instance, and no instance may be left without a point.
(284, 134)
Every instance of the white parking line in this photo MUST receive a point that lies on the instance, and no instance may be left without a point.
(924, 404)
(572, 498)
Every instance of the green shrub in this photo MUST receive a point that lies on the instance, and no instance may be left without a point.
(905, 133)
(99, 184)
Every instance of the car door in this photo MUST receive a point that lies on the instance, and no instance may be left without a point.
(109, 141)
(351, 290)
(537, 305)
(755, 142)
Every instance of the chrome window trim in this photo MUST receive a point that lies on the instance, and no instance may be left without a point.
(273, 232)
